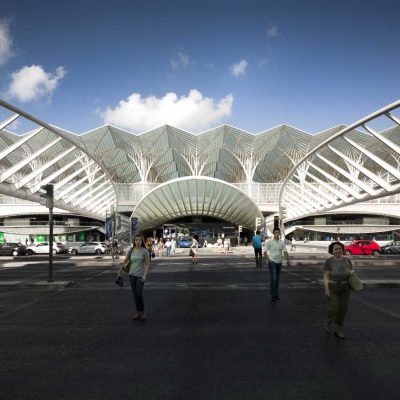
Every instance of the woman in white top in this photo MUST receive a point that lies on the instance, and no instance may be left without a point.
(195, 248)
(139, 260)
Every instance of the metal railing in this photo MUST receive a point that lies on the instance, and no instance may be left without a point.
(262, 193)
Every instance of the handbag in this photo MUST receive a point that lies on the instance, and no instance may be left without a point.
(355, 282)
(191, 253)
(119, 281)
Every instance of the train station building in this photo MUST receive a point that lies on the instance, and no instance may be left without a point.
(322, 184)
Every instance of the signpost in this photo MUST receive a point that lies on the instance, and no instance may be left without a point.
(240, 229)
(49, 196)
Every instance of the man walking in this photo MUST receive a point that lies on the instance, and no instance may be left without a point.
(257, 245)
(274, 250)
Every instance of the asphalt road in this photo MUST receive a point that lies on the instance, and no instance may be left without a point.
(211, 333)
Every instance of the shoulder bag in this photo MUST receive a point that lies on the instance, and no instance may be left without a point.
(355, 282)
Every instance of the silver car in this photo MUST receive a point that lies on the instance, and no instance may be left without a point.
(88, 248)
(44, 248)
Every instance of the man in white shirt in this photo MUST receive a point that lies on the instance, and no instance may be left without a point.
(274, 250)
(168, 246)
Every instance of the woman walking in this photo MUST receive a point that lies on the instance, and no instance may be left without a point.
(138, 257)
(337, 269)
(195, 248)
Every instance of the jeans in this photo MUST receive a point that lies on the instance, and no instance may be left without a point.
(168, 251)
(275, 273)
(258, 255)
(137, 288)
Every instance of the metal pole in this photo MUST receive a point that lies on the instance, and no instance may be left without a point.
(50, 245)
(113, 222)
(112, 249)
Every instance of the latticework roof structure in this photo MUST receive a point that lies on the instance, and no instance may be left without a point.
(87, 168)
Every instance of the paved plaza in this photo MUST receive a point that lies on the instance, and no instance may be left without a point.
(211, 333)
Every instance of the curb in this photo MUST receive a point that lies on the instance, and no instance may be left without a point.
(389, 283)
(25, 284)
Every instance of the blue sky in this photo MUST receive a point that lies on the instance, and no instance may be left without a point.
(198, 64)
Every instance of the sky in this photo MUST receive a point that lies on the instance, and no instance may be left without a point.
(255, 64)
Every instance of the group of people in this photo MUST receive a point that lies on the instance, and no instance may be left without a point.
(161, 246)
(336, 272)
(224, 244)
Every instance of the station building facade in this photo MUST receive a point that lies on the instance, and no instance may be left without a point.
(171, 179)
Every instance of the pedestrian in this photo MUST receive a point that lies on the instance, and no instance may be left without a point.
(226, 246)
(194, 247)
(149, 247)
(273, 251)
(257, 245)
(337, 269)
(245, 241)
(173, 246)
(168, 245)
(138, 257)
(161, 247)
(293, 246)
(219, 243)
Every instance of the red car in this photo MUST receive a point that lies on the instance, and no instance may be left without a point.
(363, 247)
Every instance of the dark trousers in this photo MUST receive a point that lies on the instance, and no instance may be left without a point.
(338, 302)
(258, 255)
(275, 273)
(137, 288)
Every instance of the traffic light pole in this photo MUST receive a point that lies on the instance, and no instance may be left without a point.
(49, 196)
(50, 279)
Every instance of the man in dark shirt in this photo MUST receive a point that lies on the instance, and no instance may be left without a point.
(257, 245)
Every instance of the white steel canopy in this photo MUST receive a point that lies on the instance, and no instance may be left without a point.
(321, 172)
(48, 155)
(349, 167)
(196, 196)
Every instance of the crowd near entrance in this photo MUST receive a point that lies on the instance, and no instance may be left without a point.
(208, 229)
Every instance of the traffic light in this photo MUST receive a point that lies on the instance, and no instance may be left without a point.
(49, 195)
(240, 228)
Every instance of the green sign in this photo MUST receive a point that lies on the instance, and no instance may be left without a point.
(1, 237)
(82, 236)
(40, 238)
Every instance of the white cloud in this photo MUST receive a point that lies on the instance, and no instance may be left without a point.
(263, 61)
(182, 61)
(5, 42)
(174, 64)
(193, 112)
(32, 83)
(272, 31)
(239, 68)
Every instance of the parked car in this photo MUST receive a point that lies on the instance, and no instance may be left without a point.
(185, 241)
(363, 247)
(12, 249)
(44, 248)
(392, 247)
(88, 248)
